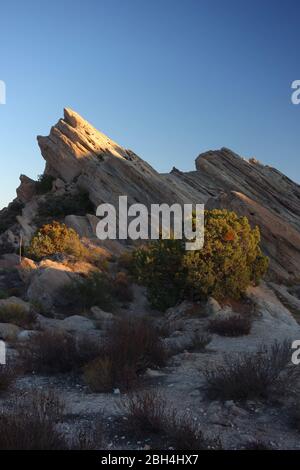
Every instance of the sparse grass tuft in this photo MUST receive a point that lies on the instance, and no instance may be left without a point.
(149, 412)
(8, 376)
(251, 375)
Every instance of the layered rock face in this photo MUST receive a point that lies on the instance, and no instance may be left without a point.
(75, 149)
(77, 155)
(267, 197)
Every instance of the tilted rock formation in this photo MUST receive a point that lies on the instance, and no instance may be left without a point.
(79, 156)
(267, 197)
(75, 149)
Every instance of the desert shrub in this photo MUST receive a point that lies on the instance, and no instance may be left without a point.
(229, 262)
(55, 238)
(99, 374)
(251, 375)
(91, 436)
(149, 412)
(8, 375)
(146, 411)
(59, 206)
(16, 314)
(122, 288)
(200, 341)
(184, 433)
(125, 260)
(52, 352)
(160, 268)
(95, 289)
(8, 215)
(31, 424)
(235, 325)
(132, 347)
(44, 184)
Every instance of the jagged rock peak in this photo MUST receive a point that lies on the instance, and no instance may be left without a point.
(73, 142)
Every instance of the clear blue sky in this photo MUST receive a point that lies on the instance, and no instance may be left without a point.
(168, 79)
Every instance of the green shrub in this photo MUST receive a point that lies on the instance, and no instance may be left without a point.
(160, 268)
(229, 262)
(60, 206)
(44, 184)
(53, 239)
(93, 290)
(16, 314)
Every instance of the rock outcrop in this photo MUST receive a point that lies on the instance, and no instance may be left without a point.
(76, 150)
(79, 156)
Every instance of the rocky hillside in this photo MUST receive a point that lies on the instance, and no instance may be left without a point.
(85, 343)
(79, 157)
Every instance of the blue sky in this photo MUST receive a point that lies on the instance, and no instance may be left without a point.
(168, 79)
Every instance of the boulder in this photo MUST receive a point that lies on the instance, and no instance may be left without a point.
(212, 307)
(47, 284)
(26, 335)
(9, 261)
(27, 189)
(75, 324)
(104, 318)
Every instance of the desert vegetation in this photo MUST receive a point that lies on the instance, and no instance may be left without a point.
(32, 424)
(251, 375)
(55, 238)
(229, 262)
(234, 325)
(133, 346)
(17, 314)
(59, 206)
(44, 184)
(149, 412)
(95, 289)
(52, 352)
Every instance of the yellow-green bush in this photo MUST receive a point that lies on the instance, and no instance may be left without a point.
(55, 238)
(229, 262)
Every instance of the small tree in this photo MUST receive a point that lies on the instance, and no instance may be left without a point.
(229, 262)
(55, 238)
(159, 267)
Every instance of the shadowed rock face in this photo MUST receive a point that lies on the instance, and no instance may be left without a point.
(267, 197)
(77, 153)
